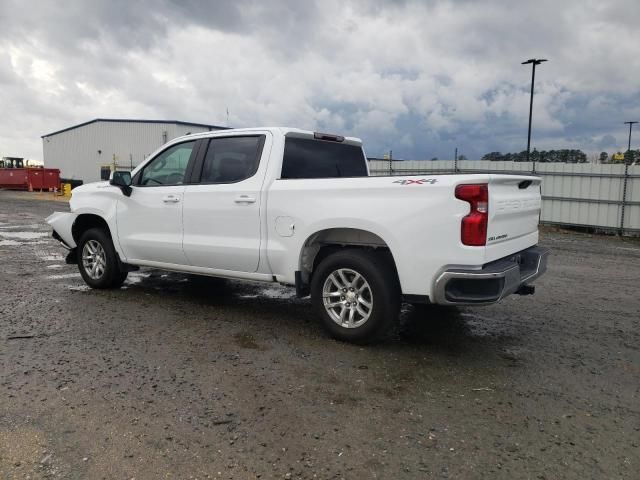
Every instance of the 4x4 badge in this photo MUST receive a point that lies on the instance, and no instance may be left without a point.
(419, 181)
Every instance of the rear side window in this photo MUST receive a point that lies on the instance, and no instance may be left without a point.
(231, 159)
(307, 158)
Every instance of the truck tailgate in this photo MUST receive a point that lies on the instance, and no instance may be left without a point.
(514, 213)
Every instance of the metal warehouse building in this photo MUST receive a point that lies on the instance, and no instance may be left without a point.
(88, 151)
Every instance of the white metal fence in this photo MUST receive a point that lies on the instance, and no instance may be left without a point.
(605, 197)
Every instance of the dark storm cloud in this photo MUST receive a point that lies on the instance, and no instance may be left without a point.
(143, 24)
(417, 77)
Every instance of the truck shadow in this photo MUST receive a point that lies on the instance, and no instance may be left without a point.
(467, 334)
(433, 324)
(450, 330)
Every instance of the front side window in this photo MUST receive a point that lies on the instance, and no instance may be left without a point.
(169, 167)
(231, 159)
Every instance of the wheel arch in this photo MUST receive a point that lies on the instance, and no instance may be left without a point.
(85, 221)
(323, 243)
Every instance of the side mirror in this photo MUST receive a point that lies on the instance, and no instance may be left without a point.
(121, 180)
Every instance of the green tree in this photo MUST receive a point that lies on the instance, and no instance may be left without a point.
(629, 157)
(565, 155)
(493, 157)
(535, 156)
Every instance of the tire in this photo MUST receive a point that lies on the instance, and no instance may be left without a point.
(97, 244)
(372, 295)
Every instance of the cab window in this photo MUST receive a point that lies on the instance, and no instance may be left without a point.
(231, 159)
(168, 168)
(310, 158)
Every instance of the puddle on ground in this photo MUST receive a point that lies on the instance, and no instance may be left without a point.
(51, 258)
(136, 277)
(23, 235)
(78, 288)
(629, 249)
(9, 243)
(275, 292)
(63, 276)
(7, 226)
(260, 290)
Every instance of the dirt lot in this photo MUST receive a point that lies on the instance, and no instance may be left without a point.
(174, 378)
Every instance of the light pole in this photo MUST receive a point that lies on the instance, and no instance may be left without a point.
(627, 162)
(630, 126)
(533, 62)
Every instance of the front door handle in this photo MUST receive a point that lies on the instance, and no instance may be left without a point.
(245, 199)
(171, 199)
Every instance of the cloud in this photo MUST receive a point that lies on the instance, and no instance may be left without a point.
(420, 78)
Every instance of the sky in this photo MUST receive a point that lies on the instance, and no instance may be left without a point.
(419, 78)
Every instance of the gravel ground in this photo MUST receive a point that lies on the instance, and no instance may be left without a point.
(171, 377)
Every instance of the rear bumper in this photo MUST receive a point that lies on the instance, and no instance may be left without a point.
(494, 281)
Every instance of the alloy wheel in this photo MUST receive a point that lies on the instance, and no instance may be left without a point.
(347, 298)
(94, 259)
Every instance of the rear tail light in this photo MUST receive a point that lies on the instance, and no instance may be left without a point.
(473, 230)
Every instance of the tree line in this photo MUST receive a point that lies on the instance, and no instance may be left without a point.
(564, 156)
(630, 156)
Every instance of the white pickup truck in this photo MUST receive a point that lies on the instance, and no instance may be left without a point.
(299, 208)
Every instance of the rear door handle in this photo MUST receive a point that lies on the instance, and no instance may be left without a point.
(171, 199)
(245, 199)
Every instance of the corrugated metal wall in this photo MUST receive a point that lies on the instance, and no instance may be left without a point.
(582, 194)
(75, 152)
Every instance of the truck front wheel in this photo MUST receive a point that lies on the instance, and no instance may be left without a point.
(97, 260)
(356, 294)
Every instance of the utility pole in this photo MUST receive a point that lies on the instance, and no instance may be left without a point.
(630, 126)
(455, 161)
(533, 62)
(626, 178)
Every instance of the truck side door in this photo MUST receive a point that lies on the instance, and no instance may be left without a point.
(150, 220)
(222, 205)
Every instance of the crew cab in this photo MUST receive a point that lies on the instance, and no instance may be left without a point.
(299, 208)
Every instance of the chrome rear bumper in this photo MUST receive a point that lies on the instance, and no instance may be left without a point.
(494, 281)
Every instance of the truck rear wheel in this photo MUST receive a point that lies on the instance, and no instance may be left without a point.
(98, 260)
(357, 295)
